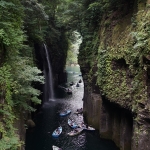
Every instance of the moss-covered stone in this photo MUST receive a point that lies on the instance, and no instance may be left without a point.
(121, 57)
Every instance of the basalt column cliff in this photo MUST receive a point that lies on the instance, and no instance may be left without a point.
(116, 72)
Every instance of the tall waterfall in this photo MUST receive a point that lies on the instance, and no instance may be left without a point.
(48, 88)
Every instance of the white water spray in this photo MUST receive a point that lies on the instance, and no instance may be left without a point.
(48, 89)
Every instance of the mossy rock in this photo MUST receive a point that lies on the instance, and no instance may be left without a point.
(30, 123)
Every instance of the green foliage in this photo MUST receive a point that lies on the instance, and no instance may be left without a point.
(24, 75)
(125, 83)
(10, 142)
(35, 20)
(74, 43)
(6, 110)
(71, 58)
(16, 93)
(68, 14)
(17, 72)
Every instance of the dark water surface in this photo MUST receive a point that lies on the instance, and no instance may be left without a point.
(48, 119)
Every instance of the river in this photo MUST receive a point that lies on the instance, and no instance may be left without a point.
(48, 119)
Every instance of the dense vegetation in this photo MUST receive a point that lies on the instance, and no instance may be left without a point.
(17, 72)
(22, 24)
(119, 44)
(26, 22)
(117, 34)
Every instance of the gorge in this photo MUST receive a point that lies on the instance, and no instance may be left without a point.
(114, 59)
(116, 98)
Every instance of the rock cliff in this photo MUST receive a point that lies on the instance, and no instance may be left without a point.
(116, 73)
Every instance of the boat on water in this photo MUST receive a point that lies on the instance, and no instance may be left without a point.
(75, 131)
(56, 148)
(89, 128)
(79, 111)
(80, 81)
(85, 127)
(57, 132)
(72, 123)
(65, 113)
(77, 85)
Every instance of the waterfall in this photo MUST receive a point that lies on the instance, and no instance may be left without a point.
(48, 88)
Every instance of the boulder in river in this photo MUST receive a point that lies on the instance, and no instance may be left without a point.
(30, 123)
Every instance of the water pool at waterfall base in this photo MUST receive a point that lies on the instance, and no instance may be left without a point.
(48, 119)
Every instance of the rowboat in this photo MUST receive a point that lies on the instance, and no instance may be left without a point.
(56, 148)
(72, 123)
(89, 128)
(65, 113)
(57, 132)
(80, 81)
(77, 85)
(85, 127)
(75, 132)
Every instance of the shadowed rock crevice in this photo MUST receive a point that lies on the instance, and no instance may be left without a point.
(119, 64)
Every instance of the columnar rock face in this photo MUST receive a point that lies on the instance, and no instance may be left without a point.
(117, 74)
(113, 122)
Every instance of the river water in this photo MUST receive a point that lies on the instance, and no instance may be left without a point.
(48, 119)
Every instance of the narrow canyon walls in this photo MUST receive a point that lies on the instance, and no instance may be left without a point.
(116, 73)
